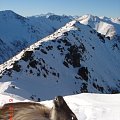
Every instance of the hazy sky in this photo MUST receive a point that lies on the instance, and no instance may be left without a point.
(110, 8)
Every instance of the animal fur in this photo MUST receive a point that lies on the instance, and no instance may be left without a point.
(36, 111)
(61, 111)
(24, 111)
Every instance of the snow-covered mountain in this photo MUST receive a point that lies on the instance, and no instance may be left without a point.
(18, 32)
(84, 106)
(72, 60)
(104, 25)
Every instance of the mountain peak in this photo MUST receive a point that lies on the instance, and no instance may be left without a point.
(7, 12)
(10, 14)
(104, 25)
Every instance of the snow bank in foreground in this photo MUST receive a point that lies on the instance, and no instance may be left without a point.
(85, 106)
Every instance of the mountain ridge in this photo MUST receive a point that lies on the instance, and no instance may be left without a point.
(69, 61)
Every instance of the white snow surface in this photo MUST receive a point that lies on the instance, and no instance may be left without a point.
(104, 25)
(85, 106)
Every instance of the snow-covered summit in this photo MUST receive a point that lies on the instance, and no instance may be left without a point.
(104, 25)
(8, 13)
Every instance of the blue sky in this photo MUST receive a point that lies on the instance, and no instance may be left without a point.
(110, 8)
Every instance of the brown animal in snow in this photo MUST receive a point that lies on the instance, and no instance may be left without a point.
(36, 111)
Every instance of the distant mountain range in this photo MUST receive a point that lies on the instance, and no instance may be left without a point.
(18, 32)
(74, 59)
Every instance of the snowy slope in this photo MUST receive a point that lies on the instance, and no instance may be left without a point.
(85, 106)
(104, 25)
(17, 32)
(74, 59)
